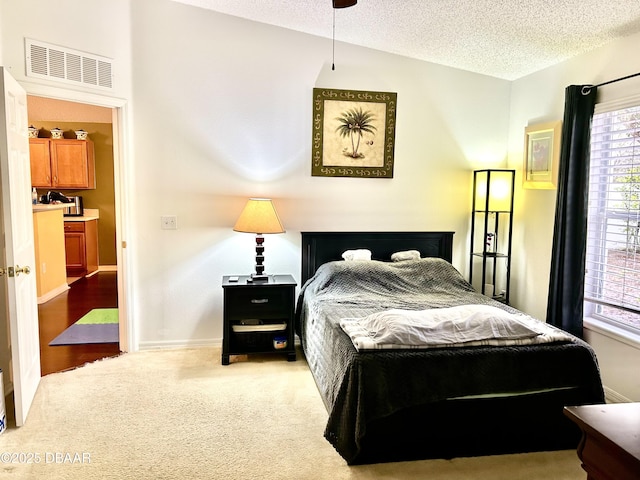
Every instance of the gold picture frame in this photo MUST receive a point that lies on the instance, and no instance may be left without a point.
(541, 155)
(339, 149)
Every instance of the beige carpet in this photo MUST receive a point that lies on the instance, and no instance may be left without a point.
(179, 414)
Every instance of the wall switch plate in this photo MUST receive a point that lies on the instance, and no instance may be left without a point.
(169, 222)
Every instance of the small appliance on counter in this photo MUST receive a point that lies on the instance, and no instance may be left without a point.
(75, 208)
(54, 197)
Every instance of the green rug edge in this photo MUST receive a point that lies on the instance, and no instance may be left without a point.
(99, 316)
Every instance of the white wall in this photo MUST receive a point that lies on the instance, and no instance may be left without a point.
(1, 37)
(219, 109)
(540, 98)
(93, 26)
(223, 112)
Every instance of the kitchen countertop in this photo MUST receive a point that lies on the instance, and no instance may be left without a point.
(44, 207)
(89, 214)
(83, 218)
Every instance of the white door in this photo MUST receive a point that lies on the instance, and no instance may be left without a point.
(18, 255)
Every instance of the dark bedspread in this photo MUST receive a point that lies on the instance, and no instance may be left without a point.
(361, 387)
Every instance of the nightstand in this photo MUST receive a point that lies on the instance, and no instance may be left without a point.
(258, 316)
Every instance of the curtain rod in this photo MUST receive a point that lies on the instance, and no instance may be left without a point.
(587, 88)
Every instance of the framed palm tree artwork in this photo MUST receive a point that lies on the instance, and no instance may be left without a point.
(353, 133)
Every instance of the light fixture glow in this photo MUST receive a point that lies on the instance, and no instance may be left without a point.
(500, 189)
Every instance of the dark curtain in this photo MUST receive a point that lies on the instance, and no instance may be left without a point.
(566, 285)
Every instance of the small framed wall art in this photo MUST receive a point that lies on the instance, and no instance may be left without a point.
(353, 133)
(541, 155)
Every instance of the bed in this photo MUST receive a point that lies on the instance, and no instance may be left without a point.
(398, 403)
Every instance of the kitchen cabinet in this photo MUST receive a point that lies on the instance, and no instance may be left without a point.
(81, 247)
(62, 163)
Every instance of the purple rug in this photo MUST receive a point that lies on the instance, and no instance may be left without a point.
(79, 334)
(100, 325)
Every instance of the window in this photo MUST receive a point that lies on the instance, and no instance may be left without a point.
(612, 280)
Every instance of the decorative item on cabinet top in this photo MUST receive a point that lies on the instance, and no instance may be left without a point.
(81, 134)
(57, 133)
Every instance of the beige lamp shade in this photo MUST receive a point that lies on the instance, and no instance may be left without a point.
(259, 216)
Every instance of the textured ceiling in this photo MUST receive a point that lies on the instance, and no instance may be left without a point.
(502, 38)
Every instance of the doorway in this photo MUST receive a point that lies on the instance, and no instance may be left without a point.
(69, 302)
(106, 287)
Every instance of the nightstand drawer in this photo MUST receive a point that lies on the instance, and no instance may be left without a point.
(258, 302)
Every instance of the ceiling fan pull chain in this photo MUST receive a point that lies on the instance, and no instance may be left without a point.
(333, 59)
(338, 4)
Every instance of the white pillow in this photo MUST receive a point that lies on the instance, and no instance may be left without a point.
(360, 254)
(406, 255)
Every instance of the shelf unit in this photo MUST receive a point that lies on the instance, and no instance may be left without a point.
(491, 232)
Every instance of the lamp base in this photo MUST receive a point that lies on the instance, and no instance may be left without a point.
(258, 277)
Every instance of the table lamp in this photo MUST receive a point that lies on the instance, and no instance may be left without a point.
(259, 216)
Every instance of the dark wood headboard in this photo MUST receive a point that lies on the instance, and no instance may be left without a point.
(323, 247)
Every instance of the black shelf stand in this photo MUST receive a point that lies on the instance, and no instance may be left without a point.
(492, 225)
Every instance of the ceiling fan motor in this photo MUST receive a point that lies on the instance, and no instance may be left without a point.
(344, 3)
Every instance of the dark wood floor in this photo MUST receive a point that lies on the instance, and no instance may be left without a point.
(97, 291)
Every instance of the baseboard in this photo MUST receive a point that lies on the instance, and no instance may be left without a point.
(212, 342)
(611, 396)
(103, 268)
(53, 293)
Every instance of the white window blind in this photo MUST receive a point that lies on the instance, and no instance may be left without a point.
(612, 280)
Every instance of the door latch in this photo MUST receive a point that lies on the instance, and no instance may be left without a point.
(14, 272)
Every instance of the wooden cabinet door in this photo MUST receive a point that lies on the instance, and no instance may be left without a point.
(72, 164)
(40, 162)
(91, 245)
(75, 248)
(81, 247)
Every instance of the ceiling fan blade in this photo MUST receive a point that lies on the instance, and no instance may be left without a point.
(344, 3)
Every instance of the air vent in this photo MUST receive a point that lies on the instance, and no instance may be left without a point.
(66, 65)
